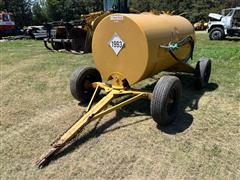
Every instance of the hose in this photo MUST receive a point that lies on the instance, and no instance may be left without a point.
(174, 46)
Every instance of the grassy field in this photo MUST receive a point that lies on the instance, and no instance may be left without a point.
(36, 107)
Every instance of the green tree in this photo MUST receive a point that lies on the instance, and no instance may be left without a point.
(54, 10)
(39, 15)
(195, 9)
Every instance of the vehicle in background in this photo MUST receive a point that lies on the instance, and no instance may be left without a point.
(76, 36)
(200, 26)
(37, 32)
(7, 24)
(225, 24)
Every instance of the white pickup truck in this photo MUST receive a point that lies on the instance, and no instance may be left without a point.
(225, 24)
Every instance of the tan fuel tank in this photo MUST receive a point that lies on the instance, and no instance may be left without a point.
(128, 45)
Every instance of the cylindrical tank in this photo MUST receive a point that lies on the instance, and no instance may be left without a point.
(128, 45)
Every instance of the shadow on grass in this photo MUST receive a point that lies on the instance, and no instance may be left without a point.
(189, 102)
(233, 39)
(190, 99)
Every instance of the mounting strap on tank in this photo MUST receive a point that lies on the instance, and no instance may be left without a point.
(174, 46)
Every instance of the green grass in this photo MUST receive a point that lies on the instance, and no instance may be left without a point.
(36, 107)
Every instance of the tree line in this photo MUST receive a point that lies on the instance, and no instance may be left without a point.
(29, 12)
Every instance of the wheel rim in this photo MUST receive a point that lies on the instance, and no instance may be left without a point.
(87, 89)
(216, 35)
(172, 101)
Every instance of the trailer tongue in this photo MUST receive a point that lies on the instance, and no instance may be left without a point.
(91, 115)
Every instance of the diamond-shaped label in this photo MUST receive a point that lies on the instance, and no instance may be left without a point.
(116, 43)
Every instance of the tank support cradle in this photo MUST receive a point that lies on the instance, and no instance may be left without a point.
(92, 113)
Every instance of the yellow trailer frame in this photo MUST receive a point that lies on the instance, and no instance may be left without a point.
(94, 112)
(118, 88)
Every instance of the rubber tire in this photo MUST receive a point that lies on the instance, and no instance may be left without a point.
(78, 79)
(216, 29)
(165, 87)
(203, 72)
